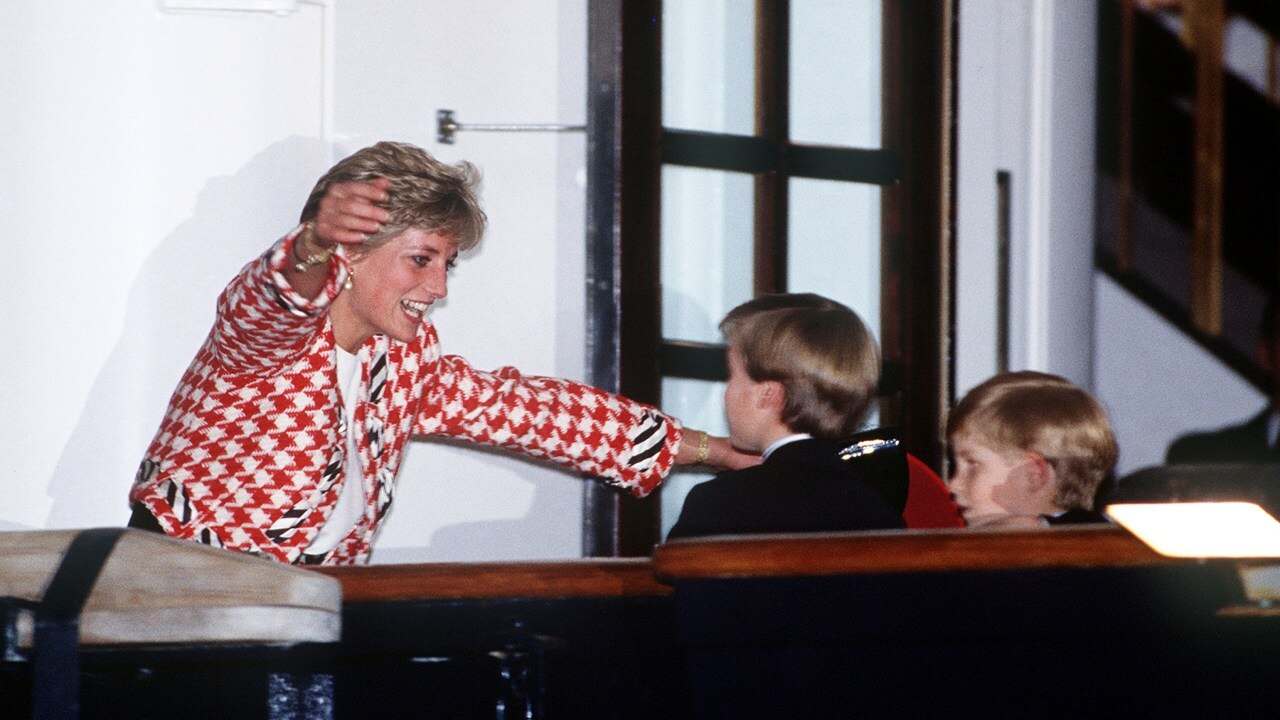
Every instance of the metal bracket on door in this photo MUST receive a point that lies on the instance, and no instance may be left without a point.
(447, 126)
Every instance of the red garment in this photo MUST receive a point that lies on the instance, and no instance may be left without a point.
(929, 503)
(251, 451)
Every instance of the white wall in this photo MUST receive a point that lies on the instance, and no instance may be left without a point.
(518, 300)
(1156, 383)
(1025, 96)
(1026, 104)
(149, 155)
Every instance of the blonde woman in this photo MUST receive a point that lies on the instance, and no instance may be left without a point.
(286, 433)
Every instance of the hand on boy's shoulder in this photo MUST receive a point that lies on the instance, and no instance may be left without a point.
(699, 448)
(729, 457)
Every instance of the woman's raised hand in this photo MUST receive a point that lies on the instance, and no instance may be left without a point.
(349, 212)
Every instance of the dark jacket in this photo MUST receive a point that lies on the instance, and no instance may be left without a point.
(1076, 516)
(1246, 443)
(804, 486)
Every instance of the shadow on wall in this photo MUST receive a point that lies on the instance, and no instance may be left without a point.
(491, 539)
(170, 310)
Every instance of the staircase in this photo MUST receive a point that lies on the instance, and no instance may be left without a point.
(1188, 187)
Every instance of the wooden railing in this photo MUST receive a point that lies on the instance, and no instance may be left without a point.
(900, 552)
(577, 578)
(1184, 138)
(776, 626)
(755, 556)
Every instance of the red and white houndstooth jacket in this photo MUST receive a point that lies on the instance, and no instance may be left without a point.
(251, 451)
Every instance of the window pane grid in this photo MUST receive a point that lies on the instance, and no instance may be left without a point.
(785, 190)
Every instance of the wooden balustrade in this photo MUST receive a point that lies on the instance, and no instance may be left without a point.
(903, 551)
(440, 581)
(823, 625)
(754, 556)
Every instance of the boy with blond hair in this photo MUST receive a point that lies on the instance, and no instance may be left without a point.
(1030, 449)
(803, 371)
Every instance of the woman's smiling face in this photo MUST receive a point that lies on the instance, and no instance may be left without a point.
(393, 287)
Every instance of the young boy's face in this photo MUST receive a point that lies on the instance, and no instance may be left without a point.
(987, 485)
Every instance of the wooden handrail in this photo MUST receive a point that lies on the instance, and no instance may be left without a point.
(898, 551)
(892, 551)
(441, 581)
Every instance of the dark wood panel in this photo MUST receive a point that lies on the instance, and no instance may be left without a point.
(700, 361)
(773, 122)
(878, 167)
(752, 556)
(917, 220)
(435, 581)
(715, 151)
(639, 197)
(900, 552)
(604, 280)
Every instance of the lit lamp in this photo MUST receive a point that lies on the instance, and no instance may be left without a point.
(1226, 529)
(1207, 511)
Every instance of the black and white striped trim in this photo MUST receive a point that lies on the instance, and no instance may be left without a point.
(333, 471)
(176, 496)
(284, 527)
(146, 471)
(647, 441)
(209, 537)
(378, 375)
(374, 437)
(288, 523)
(274, 292)
(386, 492)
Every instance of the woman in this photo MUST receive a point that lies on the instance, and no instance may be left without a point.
(285, 435)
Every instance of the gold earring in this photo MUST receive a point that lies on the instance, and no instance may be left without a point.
(350, 276)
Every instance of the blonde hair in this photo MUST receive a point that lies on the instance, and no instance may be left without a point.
(819, 350)
(1037, 412)
(426, 194)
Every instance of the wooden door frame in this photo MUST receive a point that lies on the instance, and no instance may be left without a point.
(625, 147)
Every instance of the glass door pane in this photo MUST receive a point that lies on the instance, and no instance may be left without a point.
(833, 244)
(707, 243)
(706, 250)
(833, 247)
(835, 72)
(708, 66)
(700, 405)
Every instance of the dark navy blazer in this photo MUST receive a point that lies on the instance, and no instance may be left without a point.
(803, 486)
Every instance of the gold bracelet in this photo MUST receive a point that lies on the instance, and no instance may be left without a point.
(306, 263)
(704, 449)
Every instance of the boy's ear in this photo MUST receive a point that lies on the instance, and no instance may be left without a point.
(1039, 472)
(773, 396)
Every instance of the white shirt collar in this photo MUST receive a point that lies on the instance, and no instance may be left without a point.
(783, 441)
